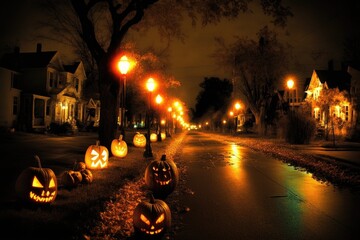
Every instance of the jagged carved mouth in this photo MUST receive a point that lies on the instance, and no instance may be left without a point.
(163, 182)
(45, 197)
(152, 232)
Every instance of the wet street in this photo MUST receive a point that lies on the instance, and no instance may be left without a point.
(242, 194)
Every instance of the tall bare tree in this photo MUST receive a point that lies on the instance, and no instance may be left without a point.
(101, 26)
(257, 66)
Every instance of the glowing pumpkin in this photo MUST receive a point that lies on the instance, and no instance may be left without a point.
(37, 185)
(163, 135)
(96, 156)
(119, 147)
(139, 140)
(151, 219)
(161, 176)
(153, 137)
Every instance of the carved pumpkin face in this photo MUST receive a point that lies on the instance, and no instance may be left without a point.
(119, 147)
(161, 176)
(37, 185)
(139, 140)
(96, 156)
(151, 218)
(153, 137)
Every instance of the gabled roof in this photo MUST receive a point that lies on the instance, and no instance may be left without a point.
(335, 79)
(16, 61)
(72, 68)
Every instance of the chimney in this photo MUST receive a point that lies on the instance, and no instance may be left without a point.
(38, 48)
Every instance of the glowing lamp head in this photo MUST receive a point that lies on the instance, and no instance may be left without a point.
(290, 83)
(150, 84)
(123, 65)
(159, 99)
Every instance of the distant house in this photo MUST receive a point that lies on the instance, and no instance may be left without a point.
(10, 98)
(43, 90)
(341, 90)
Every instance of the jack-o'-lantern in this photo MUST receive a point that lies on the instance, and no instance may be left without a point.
(153, 137)
(161, 176)
(37, 185)
(96, 156)
(119, 147)
(139, 140)
(151, 218)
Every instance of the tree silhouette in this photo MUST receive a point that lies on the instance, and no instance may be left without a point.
(257, 66)
(99, 27)
(213, 100)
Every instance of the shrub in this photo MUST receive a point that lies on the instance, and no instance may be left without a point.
(300, 128)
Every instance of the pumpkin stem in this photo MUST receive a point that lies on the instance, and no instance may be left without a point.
(152, 199)
(163, 157)
(120, 137)
(38, 160)
(97, 142)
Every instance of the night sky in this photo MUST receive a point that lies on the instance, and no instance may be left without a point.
(316, 33)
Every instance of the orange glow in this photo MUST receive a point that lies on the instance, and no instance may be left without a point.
(150, 84)
(290, 83)
(124, 65)
(159, 99)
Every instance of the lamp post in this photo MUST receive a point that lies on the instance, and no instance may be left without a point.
(150, 86)
(290, 84)
(159, 100)
(237, 108)
(169, 126)
(123, 66)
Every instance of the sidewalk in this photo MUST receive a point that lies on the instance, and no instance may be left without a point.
(346, 152)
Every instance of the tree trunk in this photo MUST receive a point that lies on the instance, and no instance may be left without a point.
(109, 109)
(260, 121)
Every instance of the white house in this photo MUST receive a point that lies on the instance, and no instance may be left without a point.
(50, 92)
(10, 98)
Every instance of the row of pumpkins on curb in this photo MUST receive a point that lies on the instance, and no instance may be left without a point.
(38, 185)
(151, 218)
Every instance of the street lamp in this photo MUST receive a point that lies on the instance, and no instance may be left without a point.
(159, 99)
(237, 108)
(123, 66)
(169, 126)
(290, 84)
(150, 86)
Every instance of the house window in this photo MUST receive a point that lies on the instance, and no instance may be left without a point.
(51, 79)
(48, 108)
(39, 109)
(15, 81)
(76, 84)
(15, 105)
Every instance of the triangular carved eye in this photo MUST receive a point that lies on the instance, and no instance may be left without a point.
(104, 155)
(51, 183)
(36, 183)
(160, 219)
(94, 155)
(144, 219)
